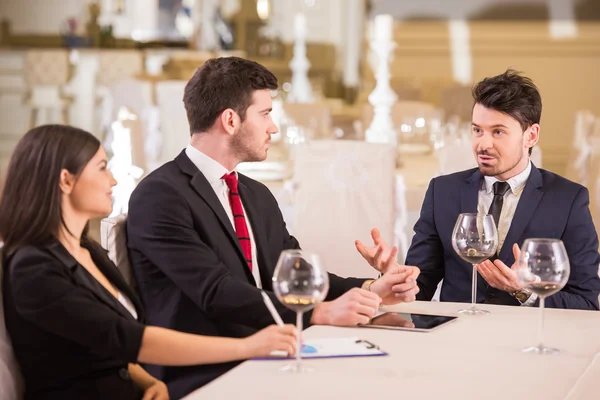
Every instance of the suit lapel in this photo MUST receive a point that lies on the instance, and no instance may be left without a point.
(85, 280)
(469, 195)
(200, 184)
(258, 231)
(106, 266)
(530, 198)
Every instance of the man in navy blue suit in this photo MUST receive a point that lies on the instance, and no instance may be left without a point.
(529, 203)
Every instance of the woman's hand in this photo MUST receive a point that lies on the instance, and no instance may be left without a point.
(269, 339)
(156, 391)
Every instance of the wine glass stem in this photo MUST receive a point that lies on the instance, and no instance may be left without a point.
(541, 326)
(474, 287)
(298, 340)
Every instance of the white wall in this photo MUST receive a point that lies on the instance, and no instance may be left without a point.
(47, 17)
(44, 17)
(460, 9)
(324, 20)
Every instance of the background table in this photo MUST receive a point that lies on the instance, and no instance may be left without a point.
(475, 357)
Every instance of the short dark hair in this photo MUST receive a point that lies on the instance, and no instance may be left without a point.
(30, 203)
(222, 83)
(512, 94)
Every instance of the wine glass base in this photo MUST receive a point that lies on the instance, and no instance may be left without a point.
(473, 311)
(297, 369)
(540, 350)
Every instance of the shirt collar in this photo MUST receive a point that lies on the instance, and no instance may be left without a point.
(516, 183)
(211, 169)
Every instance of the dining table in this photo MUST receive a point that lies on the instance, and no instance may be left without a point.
(474, 357)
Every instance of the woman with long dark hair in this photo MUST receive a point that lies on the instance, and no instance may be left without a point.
(76, 326)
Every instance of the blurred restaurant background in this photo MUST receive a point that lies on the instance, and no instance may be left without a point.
(117, 68)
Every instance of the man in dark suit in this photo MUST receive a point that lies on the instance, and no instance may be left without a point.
(203, 239)
(526, 202)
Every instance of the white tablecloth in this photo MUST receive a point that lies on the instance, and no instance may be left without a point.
(416, 171)
(476, 357)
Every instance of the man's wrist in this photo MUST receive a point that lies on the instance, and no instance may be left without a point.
(522, 295)
(367, 284)
(320, 314)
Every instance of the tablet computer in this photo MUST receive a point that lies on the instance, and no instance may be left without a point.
(409, 322)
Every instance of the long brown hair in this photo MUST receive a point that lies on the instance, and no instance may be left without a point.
(30, 203)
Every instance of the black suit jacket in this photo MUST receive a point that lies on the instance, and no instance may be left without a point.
(549, 207)
(71, 337)
(190, 268)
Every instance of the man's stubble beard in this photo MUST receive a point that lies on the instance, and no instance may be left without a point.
(241, 147)
(494, 171)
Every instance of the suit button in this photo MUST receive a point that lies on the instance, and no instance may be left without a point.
(124, 374)
(489, 296)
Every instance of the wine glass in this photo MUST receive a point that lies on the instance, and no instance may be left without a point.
(543, 268)
(300, 282)
(474, 239)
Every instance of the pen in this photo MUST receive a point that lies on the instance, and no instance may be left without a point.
(272, 309)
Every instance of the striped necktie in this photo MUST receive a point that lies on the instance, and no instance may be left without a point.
(239, 219)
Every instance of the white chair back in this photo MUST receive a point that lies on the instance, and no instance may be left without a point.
(11, 382)
(455, 156)
(113, 236)
(315, 117)
(173, 118)
(342, 190)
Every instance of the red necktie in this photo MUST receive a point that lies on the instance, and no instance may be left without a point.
(239, 219)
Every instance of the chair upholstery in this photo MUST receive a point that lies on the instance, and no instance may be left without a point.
(342, 190)
(115, 65)
(47, 67)
(113, 235)
(11, 382)
(46, 73)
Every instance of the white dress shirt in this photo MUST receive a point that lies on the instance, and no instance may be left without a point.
(126, 302)
(511, 200)
(213, 172)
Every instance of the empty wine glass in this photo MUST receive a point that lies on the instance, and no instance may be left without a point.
(474, 239)
(543, 268)
(300, 282)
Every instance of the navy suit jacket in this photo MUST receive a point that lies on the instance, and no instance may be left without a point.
(190, 268)
(550, 207)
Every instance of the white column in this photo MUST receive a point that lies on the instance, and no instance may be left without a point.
(460, 47)
(355, 15)
(562, 19)
(207, 35)
(83, 89)
(144, 18)
(301, 89)
(383, 97)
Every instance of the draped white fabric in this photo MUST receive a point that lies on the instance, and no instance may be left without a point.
(579, 154)
(342, 190)
(173, 118)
